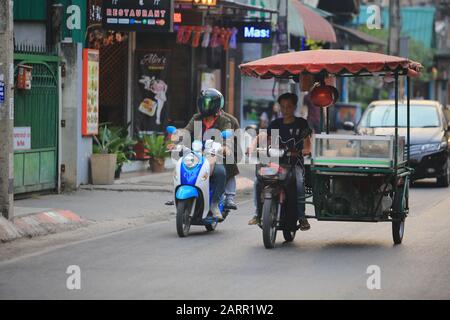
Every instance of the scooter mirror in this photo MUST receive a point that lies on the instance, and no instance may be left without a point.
(226, 134)
(171, 129)
(197, 146)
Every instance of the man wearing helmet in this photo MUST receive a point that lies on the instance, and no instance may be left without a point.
(210, 104)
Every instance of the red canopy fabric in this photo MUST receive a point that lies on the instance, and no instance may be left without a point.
(316, 27)
(327, 61)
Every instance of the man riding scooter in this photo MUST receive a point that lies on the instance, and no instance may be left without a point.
(210, 103)
(294, 136)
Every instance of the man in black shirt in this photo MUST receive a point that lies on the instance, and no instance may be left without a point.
(294, 135)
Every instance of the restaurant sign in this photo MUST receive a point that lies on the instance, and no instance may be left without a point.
(138, 15)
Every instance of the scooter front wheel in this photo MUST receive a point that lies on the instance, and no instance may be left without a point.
(269, 223)
(184, 208)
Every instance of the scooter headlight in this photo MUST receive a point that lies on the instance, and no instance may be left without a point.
(191, 161)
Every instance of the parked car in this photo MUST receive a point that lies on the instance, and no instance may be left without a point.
(430, 127)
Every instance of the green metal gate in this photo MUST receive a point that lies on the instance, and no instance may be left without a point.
(36, 169)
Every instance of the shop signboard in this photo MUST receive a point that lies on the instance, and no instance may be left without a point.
(151, 90)
(91, 59)
(2, 91)
(22, 138)
(254, 32)
(138, 15)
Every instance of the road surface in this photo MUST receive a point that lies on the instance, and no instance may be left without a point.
(328, 262)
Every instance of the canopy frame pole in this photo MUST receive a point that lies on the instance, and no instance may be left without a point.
(396, 121)
(408, 117)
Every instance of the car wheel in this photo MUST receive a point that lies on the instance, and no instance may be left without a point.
(444, 180)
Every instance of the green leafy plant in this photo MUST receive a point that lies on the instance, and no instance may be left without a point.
(114, 140)
(156, 146)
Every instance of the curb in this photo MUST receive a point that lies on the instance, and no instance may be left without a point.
(242, 184)
(38, 224)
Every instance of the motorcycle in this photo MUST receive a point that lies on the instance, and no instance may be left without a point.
(278, 199)
(192, 188)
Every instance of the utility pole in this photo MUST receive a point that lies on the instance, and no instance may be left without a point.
(394, 27)
(6, 109)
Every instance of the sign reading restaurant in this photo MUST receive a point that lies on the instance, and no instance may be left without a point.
(138, 15)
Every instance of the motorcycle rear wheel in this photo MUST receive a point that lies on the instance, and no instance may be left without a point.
(289, 236)
(269, 223)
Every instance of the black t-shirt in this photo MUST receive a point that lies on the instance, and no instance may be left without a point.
(290, 136)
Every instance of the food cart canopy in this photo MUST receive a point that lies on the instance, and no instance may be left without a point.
(327, 61)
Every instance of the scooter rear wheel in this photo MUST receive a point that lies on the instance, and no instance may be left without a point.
(183, 217)
(211, 227)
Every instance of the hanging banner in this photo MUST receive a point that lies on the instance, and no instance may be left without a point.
(151, 87)
(138, 15)
(91, 66)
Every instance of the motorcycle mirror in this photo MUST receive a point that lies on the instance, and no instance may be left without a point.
(171, 129)
(276, 153)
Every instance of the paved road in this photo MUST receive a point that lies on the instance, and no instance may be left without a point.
(329, 261)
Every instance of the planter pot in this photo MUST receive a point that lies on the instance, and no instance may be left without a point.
(117, 173)
(157, 165)
(103, 167)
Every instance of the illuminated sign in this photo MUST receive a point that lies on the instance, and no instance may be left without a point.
(205, 2)
(177, 17)
(138, 15)
(258, 32)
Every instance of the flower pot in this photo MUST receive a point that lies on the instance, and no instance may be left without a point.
(103, 167)
(157, 165)
(118, 171)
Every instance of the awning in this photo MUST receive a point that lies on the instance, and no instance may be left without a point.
(359, 37)
(315, 26)
(240, 5)
(327, 61)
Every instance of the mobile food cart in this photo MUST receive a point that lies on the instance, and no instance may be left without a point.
(352, 177)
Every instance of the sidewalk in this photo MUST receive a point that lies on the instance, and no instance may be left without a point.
(135, 198)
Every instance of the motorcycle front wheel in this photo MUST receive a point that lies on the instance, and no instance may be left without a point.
(183, 217)
(269, 223)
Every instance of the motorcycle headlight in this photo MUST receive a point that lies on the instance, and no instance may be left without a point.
(430, 147)
(191, 161)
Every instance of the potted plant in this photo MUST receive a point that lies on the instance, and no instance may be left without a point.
(103, 161)
(122, 147)
(156, 146)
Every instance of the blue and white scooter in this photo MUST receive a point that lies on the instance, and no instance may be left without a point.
(192, 188)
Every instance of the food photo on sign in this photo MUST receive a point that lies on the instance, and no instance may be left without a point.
(151, 89)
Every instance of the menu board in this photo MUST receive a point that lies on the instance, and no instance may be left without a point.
(138, 15)
(90, 115)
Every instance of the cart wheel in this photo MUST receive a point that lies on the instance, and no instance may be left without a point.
(269, 223)
(398, 229)
(289, 236)
(400, 206)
